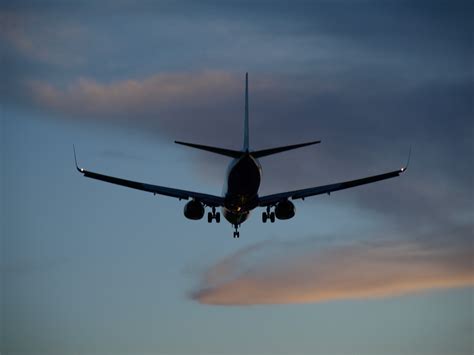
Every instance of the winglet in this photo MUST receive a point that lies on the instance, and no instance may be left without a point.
(75, 160)
(408, 161)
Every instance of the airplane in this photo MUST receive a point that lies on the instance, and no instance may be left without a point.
(240, 192)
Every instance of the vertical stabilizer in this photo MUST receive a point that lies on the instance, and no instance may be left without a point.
(246, 121)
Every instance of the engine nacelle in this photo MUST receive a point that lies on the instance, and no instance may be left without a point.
(194, 210)
(285, 210)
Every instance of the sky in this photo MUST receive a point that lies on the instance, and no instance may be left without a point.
(91, 268)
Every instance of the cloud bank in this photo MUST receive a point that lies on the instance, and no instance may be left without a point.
(275, 272)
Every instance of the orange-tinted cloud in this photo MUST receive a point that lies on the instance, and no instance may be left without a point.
(165, 103)
(150, 95)
(280, 273)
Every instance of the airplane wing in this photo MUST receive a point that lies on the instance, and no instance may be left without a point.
(208, 200)
(271, 200)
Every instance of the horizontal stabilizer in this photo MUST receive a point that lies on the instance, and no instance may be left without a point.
(265, 152)
(221, 151)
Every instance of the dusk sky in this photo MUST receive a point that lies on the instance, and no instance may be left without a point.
(89, 268)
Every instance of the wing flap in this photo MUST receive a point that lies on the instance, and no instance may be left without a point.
(209, 200)
(313, 191)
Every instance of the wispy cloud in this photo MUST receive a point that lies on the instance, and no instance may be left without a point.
(134, 96)
(276, 272)
(164, 102)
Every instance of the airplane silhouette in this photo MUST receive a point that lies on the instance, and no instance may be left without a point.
(242, 183)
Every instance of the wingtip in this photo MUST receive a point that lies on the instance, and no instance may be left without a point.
(75, 160)
(407, 163)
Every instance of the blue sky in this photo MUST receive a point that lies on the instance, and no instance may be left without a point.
(91, 268)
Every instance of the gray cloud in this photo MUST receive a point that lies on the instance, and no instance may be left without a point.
(415, 39)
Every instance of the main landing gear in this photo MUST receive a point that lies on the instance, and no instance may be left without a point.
(213, 215)
(268, 216)
(236, 232)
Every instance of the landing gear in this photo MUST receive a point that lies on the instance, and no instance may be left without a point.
(268, 216)
(236, 232)
(213, 215)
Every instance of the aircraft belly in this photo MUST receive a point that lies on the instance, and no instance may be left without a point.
(235, 217)
(240, 191)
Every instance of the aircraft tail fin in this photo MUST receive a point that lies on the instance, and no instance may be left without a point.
(246, 120)
(246, 146)
(265, 152)
(222, 151)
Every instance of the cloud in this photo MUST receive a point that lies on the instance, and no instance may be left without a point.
(88, 96)
(276, 272)
(168, 102)
(38, 39)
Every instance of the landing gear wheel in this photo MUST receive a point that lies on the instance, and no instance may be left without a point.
(213, 215)
(264, 217)
(272, 217)
(236, 232)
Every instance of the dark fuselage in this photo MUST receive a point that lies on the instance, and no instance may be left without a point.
(241, 189)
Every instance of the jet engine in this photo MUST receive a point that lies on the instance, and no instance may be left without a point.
(194, 210)
(284, 210)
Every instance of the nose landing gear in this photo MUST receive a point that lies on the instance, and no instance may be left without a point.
(236, 232)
